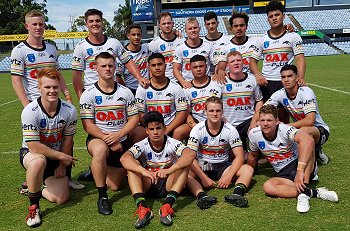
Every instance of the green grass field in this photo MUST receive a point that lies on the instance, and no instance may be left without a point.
(263, 213)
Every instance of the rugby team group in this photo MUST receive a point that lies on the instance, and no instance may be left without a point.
(177, 112)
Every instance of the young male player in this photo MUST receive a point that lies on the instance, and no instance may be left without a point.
(109, 113)
(291, 154)
(157, 166)
(278, 48)
(163, 95)
(27, 58)
(166, 42)
(48, 126)
(183, 53)
(301, 104)
(241, 96)
(213, 140)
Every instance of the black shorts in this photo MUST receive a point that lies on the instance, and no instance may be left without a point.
(157, 190)
(324, 134)
(290, 171)
(50, 168)
(242, 129)
(133, 91)
(113, 158)
(270, 88)
(217, 170)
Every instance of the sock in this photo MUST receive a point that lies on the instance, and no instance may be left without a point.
(171, 198)
(200, 195)
(140, 199)
(34, 197)
(69, 172)
(102, 192)
(239, 189)
(309, 191)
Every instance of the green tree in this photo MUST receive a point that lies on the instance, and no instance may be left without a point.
(122, 19)
(79, 25)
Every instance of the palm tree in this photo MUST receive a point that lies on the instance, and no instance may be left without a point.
(122, 19)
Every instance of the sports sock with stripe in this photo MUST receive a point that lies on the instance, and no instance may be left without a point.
(239, 189)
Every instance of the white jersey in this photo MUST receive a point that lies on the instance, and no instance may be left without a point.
(167, 100)
(277, 52)
(167, 49)
(153, 160)
(196, 97)
(279, 152)
(140, 58)
(218, 45)
(85, 53)
(213, 148)
(246, 49)
(26, 61)
(184, 52)
(239, 98)
(37, 125)
(110, 111)
(303, 103)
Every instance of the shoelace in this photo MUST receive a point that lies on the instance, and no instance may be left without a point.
(141, 212)
(166, 210)
(32, 213)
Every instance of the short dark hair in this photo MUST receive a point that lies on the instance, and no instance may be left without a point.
(104, 55)
(152, 116)
(290, 67)
(133, 26)
(164, 14)
(243, 15)
(90, 12)
(269, 109)
(197, 58)
(156, 56)
(210, 15)
(274, 5)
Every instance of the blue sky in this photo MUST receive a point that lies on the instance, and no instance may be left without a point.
(59, 11)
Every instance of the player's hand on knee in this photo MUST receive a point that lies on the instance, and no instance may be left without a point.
(163, 173)
(60, 171)
(299, 181)
(111, 138)
(116, 147)
(67, 160)
(151, 175)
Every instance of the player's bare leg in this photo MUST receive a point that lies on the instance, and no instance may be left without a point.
(115, 178)
(57, 189)
(182, 132)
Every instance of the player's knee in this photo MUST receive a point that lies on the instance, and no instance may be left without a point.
(62, 198)
(38, 164)
(247, 170)
(114, 187)
(269, 188)
(100, 152)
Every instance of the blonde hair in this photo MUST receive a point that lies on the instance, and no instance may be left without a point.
(191, 20)
(215, 100)
(32, 14)
(269, 109)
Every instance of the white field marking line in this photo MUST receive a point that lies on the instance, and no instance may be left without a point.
(16, 152)
(12, 101)
(328, 88)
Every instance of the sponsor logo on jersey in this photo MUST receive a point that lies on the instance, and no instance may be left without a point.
(261, 144)
(205, 140)
(89, 51)
(31, 58)
(277, 57)
(162, 47)
(229, 87)
(185, 52)
(222, 141)
(98, 99)
(61, 122)
(42, 123)
(149, 95)
(51, 56)
(221, 44)
(194, 94)
(285, 101)
(169, 95)
(286, 42)
(266, 44)
(249, 86)
(120, 99)
(111, 50)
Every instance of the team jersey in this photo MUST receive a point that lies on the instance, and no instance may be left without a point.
(218, 45)
(84, 57)
(303, 103)
(167, 49)
(239, 98)
(154, 160)
(110, 111)
(26, 62)
(277, 52)
(246, 49)
(140, 58)
(196, 97)
(213, 148)
(167, 100)
(184, 52)
(37, 125)
(279, 152)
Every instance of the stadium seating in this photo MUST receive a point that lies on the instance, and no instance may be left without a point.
(5, 64)
(315, 49)
(345, 46)
(65, 61)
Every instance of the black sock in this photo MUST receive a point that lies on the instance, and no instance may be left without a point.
(200, 195)
(239, 189)
(69, 172)
(171, 198)
(309, 191)
(102, 192)
(140, 199)
(34, 198)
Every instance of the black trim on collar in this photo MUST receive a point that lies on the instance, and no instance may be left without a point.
(212, 40)
(291, 97)
(241, 80)
(275, 38)
(209, 80)
(36, 49)
(160, 89)
(43, 109)
(239, 44)
(274, 137)
(201, 43)
(171, 40)
(106, 93)
(137, 51)
(164, 142)
(212, 135)
(98, 44)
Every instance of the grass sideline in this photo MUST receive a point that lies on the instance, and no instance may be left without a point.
(263, 213)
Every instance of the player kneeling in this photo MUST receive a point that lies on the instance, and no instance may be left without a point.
(48, 126)
(214, 141)
(157, 166)
(291, 154)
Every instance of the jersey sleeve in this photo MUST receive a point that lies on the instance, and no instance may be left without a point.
(87, 107)
(136, 149)
(235, 140)
(178, 55)
(78, 61)
(298, 47)
(30, 126)
(257, 93)
(122, 53)
(119, 67)
(17, 62)
(178, 147)
(309, 104)
(274, 99)
(140, 99)
(257, 49)
(71, 125)
(131, 104)
(288, 131)
(180, 100)
(193, 141)
(153, 47)
(252, 142)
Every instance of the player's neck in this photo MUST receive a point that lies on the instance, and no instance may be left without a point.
(193, 42)
(50, 107)
(237, 76)
(106, 86)
(239, 40)
(157, 145)
(292, 92)
(200, 82)
(133, 47)
(214, 127)
(168, 36)
(159, 82)
(35, 42)
(213, 36)
(96, 38)
(277, 31)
